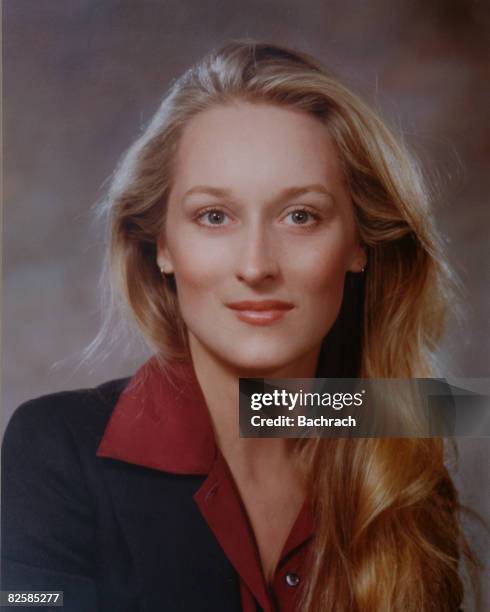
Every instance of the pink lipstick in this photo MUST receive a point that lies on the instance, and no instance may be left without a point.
(260, 312)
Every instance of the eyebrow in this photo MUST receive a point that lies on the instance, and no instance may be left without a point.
(288, 192)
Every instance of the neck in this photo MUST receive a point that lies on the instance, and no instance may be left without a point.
(219, 382)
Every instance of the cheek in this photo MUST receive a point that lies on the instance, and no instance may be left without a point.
(197, 266)
(320, 290)
(321, 268)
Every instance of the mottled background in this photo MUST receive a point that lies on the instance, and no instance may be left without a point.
(81, 77)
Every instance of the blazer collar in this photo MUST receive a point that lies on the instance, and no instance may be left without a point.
(161, 421)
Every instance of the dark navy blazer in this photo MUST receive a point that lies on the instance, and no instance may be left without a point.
(95, 527)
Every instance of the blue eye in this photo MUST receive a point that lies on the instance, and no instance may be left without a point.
(213, 217)
(301, 216)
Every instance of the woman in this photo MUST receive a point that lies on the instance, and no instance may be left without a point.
(266, 224)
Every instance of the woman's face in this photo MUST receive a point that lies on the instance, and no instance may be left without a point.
(259, 234)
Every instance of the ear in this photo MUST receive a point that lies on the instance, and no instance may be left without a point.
(164, 261)
(358, 260)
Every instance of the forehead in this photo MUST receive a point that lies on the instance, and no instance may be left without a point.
(238, 143)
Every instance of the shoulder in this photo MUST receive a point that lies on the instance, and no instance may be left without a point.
(48, 475)
(78, 413)
(51, 441)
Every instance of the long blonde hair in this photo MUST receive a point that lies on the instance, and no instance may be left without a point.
(388, 535)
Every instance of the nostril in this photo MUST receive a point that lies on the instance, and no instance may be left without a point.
(256, 275)
(256, 271)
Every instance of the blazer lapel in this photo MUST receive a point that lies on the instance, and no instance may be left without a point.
(178, 563)
(155, 454)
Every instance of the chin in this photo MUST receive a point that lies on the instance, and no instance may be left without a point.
(257, 369)
(251, 357)
(259, 364)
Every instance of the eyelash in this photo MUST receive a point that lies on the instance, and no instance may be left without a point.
(316, 216)
(205, 212)
(313, 214)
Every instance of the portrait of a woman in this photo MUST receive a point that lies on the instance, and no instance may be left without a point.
(267, 223)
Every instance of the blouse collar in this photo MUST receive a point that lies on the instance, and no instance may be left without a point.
(161, 421)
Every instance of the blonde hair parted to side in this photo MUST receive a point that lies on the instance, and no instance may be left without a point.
(387, 526)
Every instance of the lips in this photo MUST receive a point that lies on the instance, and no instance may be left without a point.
(264, 312)
(261, 306)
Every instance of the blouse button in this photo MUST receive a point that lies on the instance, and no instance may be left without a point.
(292, 580)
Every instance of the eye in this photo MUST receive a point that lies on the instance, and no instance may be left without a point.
(213, 217)
(302, 216)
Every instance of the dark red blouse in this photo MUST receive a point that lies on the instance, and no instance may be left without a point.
(161, 421)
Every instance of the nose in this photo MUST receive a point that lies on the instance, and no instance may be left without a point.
(257, 259)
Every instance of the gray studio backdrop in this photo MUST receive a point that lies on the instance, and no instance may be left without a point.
(81, 77)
